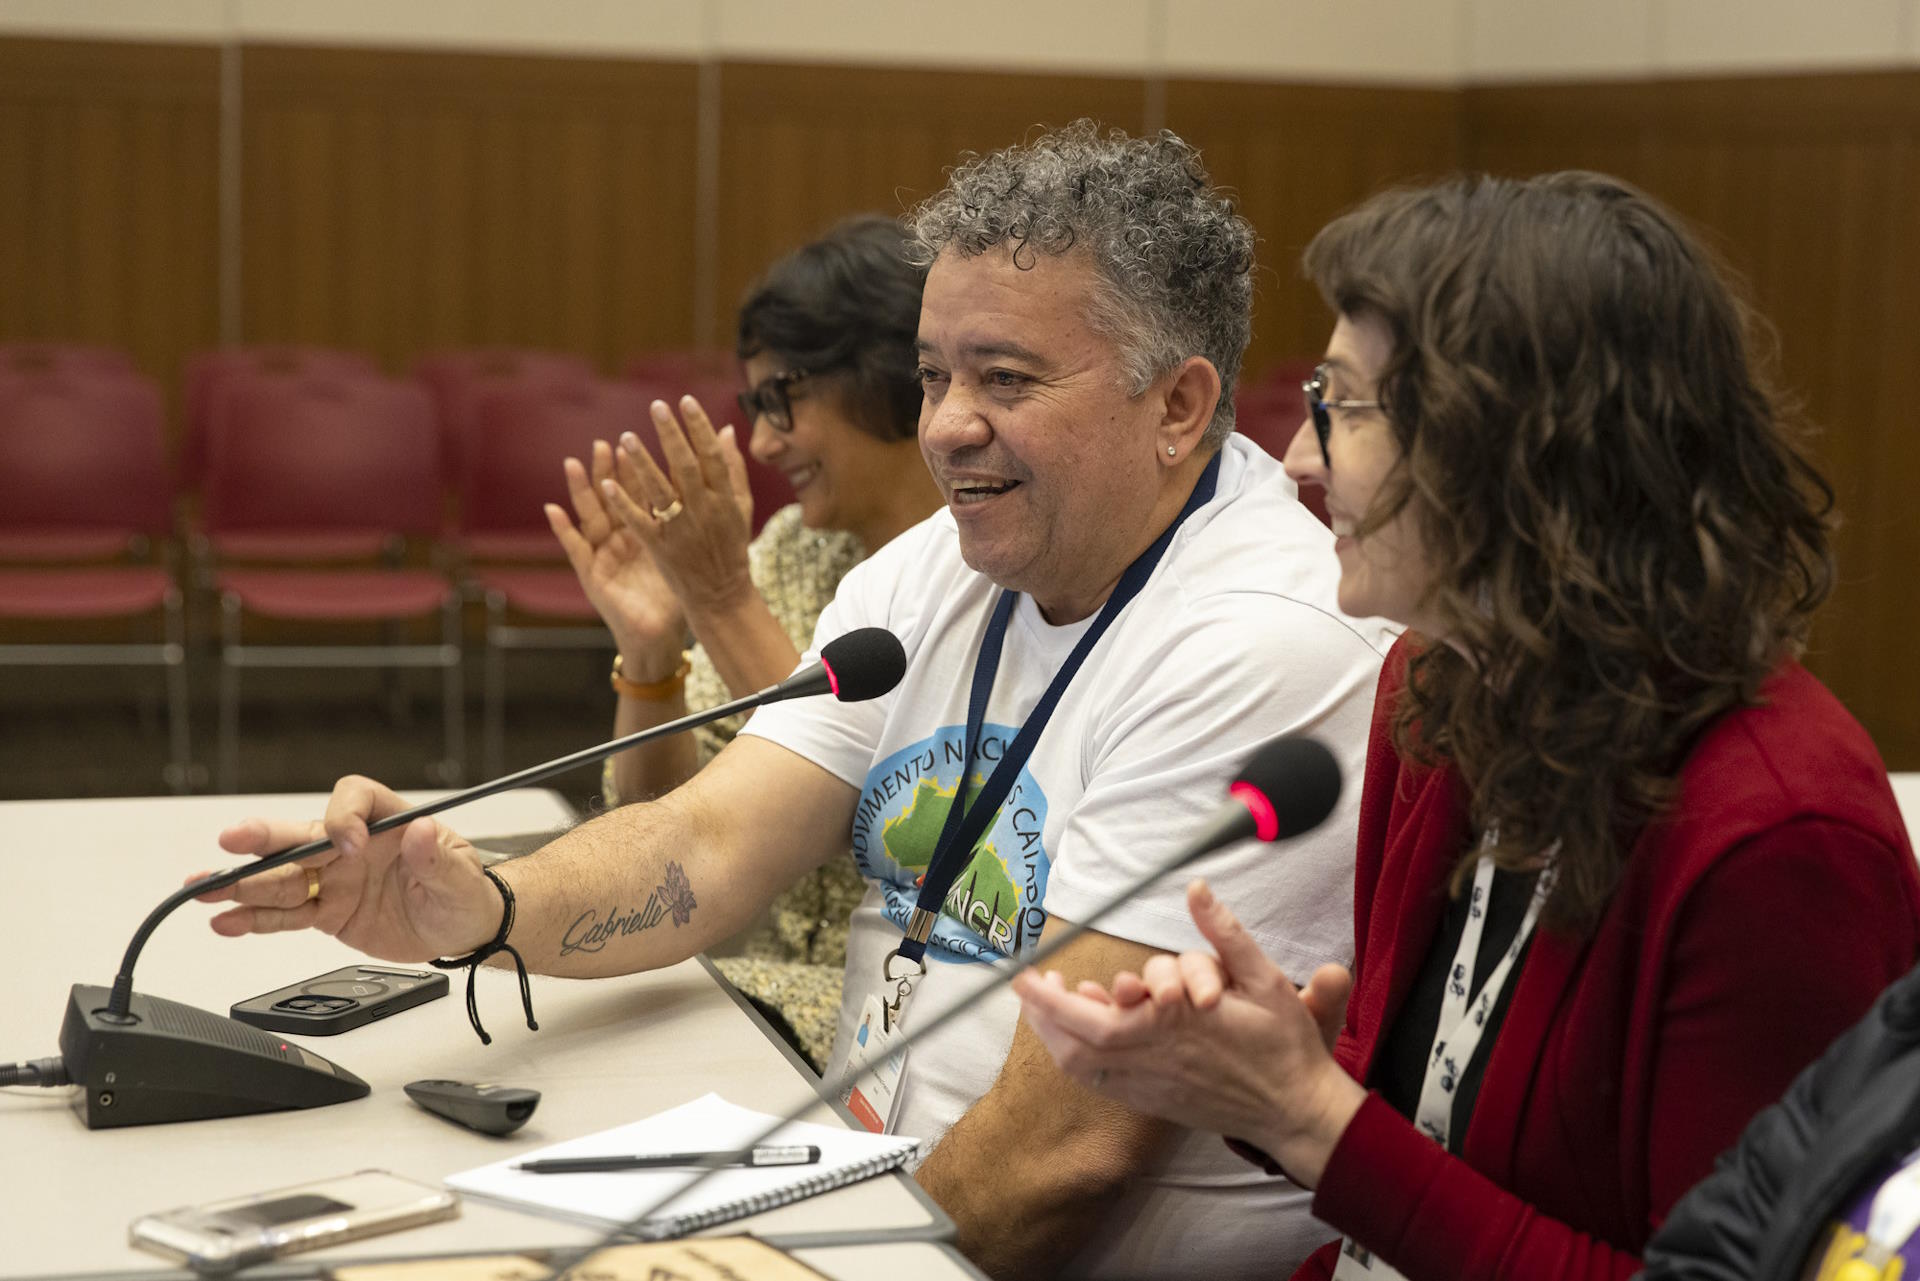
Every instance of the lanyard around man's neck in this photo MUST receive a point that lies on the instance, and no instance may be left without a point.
(966, 824)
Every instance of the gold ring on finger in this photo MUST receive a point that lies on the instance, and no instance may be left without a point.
(313, 883)
(667, 513)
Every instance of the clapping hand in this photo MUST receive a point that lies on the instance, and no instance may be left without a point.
(614, 568)
(696, 518)
(1216, 1041)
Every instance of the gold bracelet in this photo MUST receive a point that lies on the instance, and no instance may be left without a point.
(657, 692)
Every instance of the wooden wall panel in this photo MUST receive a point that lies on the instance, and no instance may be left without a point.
(803, 146)
(399, 201)
(1809, 188)
(1296, 155)
(109, 196)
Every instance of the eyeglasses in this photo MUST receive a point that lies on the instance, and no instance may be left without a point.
(1315, 390)
(768, 400)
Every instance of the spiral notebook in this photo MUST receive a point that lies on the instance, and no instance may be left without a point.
(708, 1124)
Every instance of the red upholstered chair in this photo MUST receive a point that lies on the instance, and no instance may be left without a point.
(688, 366)
(83, 480)
(86, 473)
(520, 434)
(312, 470)
(512, 469)
(1269, 413)
(461, 378)
(208, 373)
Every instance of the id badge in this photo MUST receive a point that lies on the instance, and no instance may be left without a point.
(874, 1096)
(1358, 1264)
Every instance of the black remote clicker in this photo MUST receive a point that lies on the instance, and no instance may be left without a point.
(490, 1109)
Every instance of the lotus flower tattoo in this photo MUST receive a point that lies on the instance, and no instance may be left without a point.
(677, 893)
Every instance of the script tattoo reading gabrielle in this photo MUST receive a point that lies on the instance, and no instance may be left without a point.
(590, 931)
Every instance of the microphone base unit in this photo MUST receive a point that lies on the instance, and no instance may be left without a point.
(165, 1061)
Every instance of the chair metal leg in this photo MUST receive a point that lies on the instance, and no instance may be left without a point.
(453, 693)
(496, 690)
(180, 765)
(393, 687)
(229, 695)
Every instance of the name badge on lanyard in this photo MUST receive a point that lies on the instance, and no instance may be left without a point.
(1455, 1038)
(874, 1096)
(901, 971)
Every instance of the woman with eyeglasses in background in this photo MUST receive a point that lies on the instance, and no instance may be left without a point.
(1624, 867)
(833, 401)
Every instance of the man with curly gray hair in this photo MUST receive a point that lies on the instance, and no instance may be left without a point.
(1117, 603)
(1173, 261)
(1088, 300)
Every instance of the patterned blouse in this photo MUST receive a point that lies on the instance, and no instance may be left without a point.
(794, 960)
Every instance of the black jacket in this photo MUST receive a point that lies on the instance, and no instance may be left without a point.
(1844, 1120)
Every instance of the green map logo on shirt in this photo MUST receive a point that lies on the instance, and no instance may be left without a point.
(995, 905)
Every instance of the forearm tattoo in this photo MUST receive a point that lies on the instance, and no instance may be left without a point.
(591, 932)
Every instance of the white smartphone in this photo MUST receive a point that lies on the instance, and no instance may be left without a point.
(224, 1235)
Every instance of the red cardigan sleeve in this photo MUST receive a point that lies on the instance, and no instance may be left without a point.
(1780, 947)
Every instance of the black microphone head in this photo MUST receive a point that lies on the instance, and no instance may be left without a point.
(1290, 785)
(865, 663)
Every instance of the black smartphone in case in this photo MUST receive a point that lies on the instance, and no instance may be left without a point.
(341, 1000)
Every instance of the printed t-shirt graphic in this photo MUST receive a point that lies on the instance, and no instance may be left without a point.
(996, 906)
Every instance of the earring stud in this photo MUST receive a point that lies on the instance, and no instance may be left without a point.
(1171, 451)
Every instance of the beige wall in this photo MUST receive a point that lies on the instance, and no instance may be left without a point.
(1559, 39)
(1419, 42)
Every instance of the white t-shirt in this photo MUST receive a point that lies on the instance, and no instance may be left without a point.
(1236, 638)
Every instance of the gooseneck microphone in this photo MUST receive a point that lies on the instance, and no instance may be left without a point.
(144, 1060)
(1285, 789)
(865, 663)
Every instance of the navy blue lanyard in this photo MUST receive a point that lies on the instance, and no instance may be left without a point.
(966, 824)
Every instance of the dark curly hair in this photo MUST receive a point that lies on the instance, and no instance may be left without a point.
(1626, 535)
(846, 306)
(1174, 261)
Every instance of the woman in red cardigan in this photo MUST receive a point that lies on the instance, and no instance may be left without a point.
(1624, 867)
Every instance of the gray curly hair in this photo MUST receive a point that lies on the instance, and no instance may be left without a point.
(1174, 261)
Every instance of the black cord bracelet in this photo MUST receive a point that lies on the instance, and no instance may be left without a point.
(472, 961)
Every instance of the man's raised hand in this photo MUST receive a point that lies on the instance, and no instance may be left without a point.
(408, 895)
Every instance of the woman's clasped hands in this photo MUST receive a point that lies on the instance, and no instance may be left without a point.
(1217, 1041)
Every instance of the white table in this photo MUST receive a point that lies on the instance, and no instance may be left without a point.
(84, 873)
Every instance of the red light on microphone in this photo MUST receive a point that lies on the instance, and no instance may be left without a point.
(1266, 823)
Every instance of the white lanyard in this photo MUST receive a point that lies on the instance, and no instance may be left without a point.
(1463, 1023)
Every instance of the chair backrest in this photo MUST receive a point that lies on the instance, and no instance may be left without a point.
(63, 358)
(316, 454)
(522, 431)
(461, 379)
(692, 365)
(209, 372)
(713, 378)
(83, 453)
